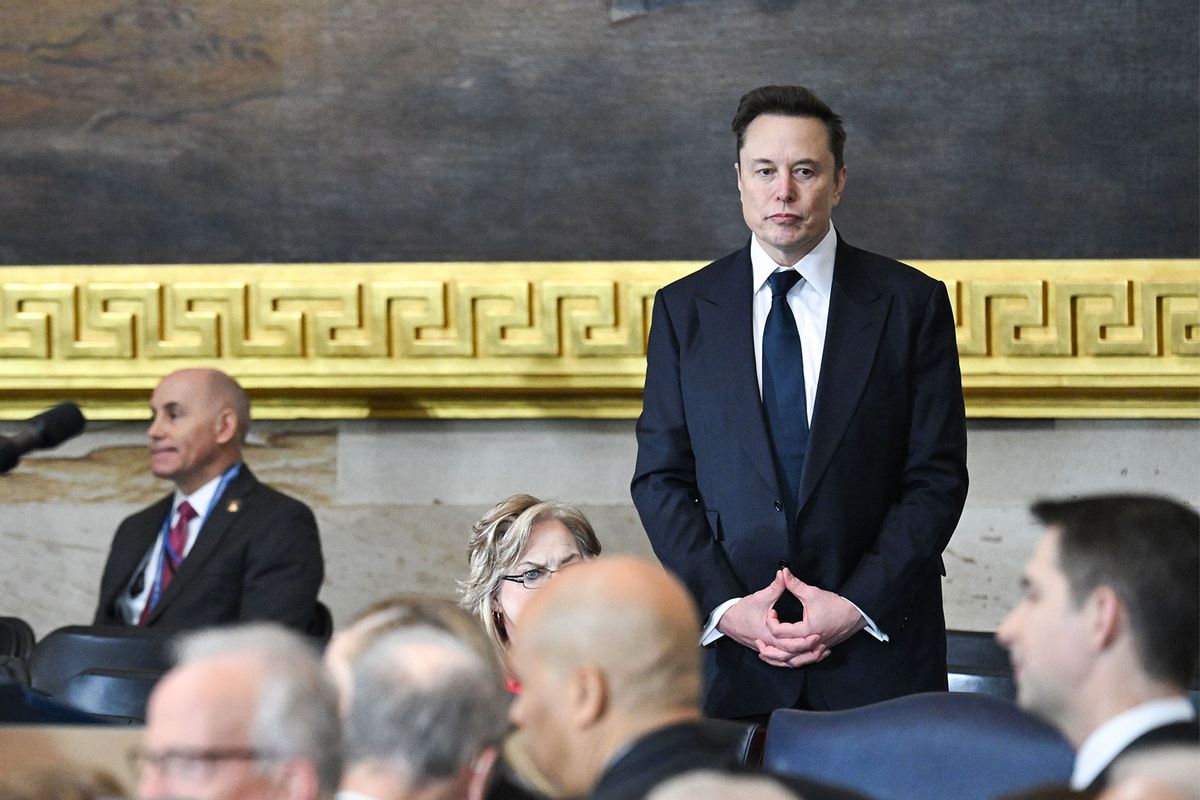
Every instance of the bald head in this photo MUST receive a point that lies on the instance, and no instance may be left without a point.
(627, 617)
(200, 419)
(219, 391)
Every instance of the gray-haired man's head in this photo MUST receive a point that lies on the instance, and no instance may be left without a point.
(426, 709)
(248, 712)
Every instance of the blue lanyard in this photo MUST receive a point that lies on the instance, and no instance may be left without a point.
(165, 535)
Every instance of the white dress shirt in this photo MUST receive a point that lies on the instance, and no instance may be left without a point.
(1106, 742)
(131, 605)
(809, 302)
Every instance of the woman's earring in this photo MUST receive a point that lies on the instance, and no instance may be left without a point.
(498, 621)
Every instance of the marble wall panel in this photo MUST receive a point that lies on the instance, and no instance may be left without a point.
(476, 462)
(395, 500)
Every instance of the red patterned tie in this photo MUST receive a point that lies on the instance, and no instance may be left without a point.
(177, 541)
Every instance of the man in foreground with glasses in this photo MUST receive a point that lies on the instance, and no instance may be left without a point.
(247, 713)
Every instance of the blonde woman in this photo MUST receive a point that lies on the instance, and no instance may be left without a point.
(515, 549)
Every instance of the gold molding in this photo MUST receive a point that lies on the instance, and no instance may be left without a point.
(540, 339)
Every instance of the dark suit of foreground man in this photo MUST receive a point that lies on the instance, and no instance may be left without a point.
(252, 552)
(883, 477)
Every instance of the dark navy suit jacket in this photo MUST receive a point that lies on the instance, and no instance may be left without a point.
(257, 557)
(882, 489)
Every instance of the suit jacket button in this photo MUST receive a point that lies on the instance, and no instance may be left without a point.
(779, 505)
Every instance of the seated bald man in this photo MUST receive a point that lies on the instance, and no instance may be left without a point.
(222, 547)
(610, 684)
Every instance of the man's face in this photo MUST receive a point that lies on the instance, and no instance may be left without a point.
(788, 183)
(1046, 637)
(197, 739)
(185, 431)
(540, 711)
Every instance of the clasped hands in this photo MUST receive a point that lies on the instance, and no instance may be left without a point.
(829, 620)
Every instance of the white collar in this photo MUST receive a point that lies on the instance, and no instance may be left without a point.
(816, 267)
(1106, 742)
(199, 500)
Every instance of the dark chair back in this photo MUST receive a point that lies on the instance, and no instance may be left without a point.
(22, 706)
(71, 651)
(118, 695)
(746, 739)
(320, 627)
(14, 670)
(976, 650)
(16, 637)
(975, 662)
(938, 744)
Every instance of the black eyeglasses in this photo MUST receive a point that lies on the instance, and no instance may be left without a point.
(191, 764)
(535, 578)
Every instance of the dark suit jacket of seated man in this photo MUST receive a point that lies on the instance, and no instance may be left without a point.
(252, 553)
(884, 474)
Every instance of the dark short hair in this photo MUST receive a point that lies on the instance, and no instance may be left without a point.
(1147, 549)
(789, 101)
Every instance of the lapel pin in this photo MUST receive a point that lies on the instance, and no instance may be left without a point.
(233, 506)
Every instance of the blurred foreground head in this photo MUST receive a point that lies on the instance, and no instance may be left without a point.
(607, 652)
(248, 713)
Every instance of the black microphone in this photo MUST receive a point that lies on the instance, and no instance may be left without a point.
(48, 429)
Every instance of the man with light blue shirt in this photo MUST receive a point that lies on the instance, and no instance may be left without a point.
(802, 444)
(1106, 637)
(222, 547)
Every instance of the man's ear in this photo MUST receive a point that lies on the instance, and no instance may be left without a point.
(227, 425)
(1106, 617)
(479, 773)
(840, 186)
(588, 696)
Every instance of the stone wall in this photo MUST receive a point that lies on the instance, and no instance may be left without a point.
(395, 499)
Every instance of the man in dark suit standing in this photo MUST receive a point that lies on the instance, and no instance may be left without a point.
(802, 445)
(1104, 641)
(223, 547)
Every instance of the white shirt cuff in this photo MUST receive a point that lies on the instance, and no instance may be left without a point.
(871, 628)
(710, 633)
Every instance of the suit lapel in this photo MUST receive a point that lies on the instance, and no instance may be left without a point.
(856, 316)
(208, 541)
(134, 548)
(725, 313)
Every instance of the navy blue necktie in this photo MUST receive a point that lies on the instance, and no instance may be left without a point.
(783, 389)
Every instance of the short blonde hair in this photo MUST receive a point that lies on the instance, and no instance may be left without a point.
(497, 540)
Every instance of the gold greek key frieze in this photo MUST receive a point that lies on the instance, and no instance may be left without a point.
(1036, 338)
(1076, 319)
